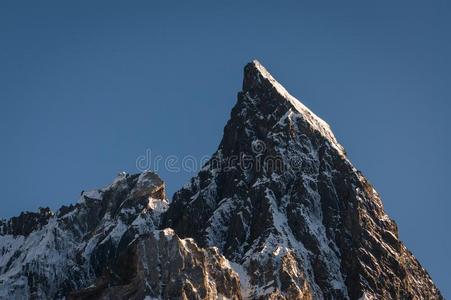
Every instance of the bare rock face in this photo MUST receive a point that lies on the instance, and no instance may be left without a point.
(281, 200)
(162, 266)
(26, 222)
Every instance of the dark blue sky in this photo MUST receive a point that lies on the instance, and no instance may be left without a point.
(87, 87)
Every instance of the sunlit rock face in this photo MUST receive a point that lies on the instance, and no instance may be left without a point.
(281, 200)
(279, 212)
(163, 266)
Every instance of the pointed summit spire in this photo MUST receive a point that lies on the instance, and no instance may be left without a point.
(296, 219)
(259, 84)
(252, 74)
(256, 74)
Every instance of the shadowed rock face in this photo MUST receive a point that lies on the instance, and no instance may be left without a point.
(26, 222)
(279, 212)
(301, 220)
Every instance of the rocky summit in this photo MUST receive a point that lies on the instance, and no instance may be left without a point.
(278, 212)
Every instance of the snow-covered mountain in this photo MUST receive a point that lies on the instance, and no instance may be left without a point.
(299, 220)
(278, 212)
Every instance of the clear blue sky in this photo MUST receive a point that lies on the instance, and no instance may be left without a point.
(87, 87)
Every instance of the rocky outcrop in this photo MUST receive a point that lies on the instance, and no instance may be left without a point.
(162, 266)
(280, 199)
(26, 222)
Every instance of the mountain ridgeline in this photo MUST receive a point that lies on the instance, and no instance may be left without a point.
(278, 212)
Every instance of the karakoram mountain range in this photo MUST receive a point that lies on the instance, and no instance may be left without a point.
(278, 212)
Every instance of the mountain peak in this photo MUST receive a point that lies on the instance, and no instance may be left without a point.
(260, 87)
(278, 212)
(295, 218)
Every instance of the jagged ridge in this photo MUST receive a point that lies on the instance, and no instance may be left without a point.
(108, 247)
